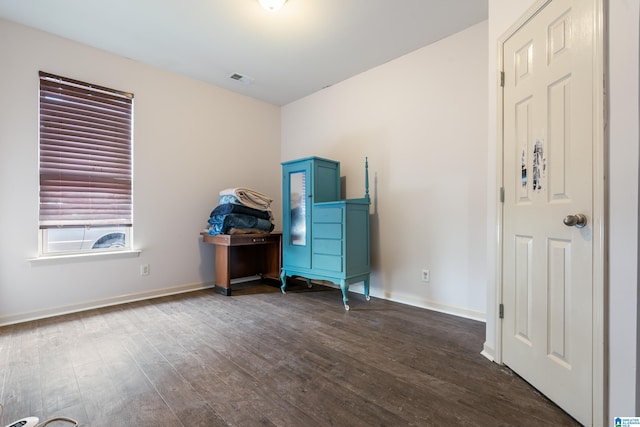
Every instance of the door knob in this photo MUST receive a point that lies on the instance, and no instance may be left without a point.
(577, 220)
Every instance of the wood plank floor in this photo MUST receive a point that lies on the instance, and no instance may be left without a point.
(260, 358)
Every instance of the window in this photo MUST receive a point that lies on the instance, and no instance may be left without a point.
(85, 166)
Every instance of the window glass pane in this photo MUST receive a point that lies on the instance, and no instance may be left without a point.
(79, 239)
(298, 200)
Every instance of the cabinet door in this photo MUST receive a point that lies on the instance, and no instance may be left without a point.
(326, 181)
(296, 212)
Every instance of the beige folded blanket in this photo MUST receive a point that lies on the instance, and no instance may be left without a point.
(248, 197)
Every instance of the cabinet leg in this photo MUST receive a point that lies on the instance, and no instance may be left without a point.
(366, 289)
(283, 279)
(345, 291)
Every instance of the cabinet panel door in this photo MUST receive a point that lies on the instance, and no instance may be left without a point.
(326, 177)
(357, 238)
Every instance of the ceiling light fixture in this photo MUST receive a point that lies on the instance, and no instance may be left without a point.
(272, 5)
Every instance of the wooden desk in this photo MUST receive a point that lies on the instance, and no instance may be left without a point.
(244, 255)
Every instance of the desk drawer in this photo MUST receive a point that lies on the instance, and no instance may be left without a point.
(252, 240)
(241, 239)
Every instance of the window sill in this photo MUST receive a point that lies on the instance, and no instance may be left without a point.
(94, 256)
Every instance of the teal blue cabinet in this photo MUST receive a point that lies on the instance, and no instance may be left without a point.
(323, 238)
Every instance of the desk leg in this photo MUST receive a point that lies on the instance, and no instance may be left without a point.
(223, 271)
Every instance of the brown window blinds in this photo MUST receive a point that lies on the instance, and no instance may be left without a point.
(85, 154)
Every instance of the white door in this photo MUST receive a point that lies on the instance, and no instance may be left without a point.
(548, 108)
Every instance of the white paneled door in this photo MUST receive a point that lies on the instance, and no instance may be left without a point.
(548, 140)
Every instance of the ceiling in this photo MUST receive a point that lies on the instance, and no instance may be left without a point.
(285, 55)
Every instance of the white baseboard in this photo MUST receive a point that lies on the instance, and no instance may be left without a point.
(89, 305)
(435, 306)
(122, 299)
(447, 309)
(488, 352)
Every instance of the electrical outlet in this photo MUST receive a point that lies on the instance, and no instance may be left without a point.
(426, 275)
(144, 269)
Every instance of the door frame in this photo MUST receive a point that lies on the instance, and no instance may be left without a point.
(600, 393)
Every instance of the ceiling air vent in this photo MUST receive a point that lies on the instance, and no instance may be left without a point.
(242, 79)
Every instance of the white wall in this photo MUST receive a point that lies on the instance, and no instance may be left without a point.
(622, 280)
(190, 141)
(421, 120)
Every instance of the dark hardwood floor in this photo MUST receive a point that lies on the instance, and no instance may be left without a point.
(260, 358)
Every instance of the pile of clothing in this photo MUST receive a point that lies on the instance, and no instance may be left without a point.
(241, 210)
